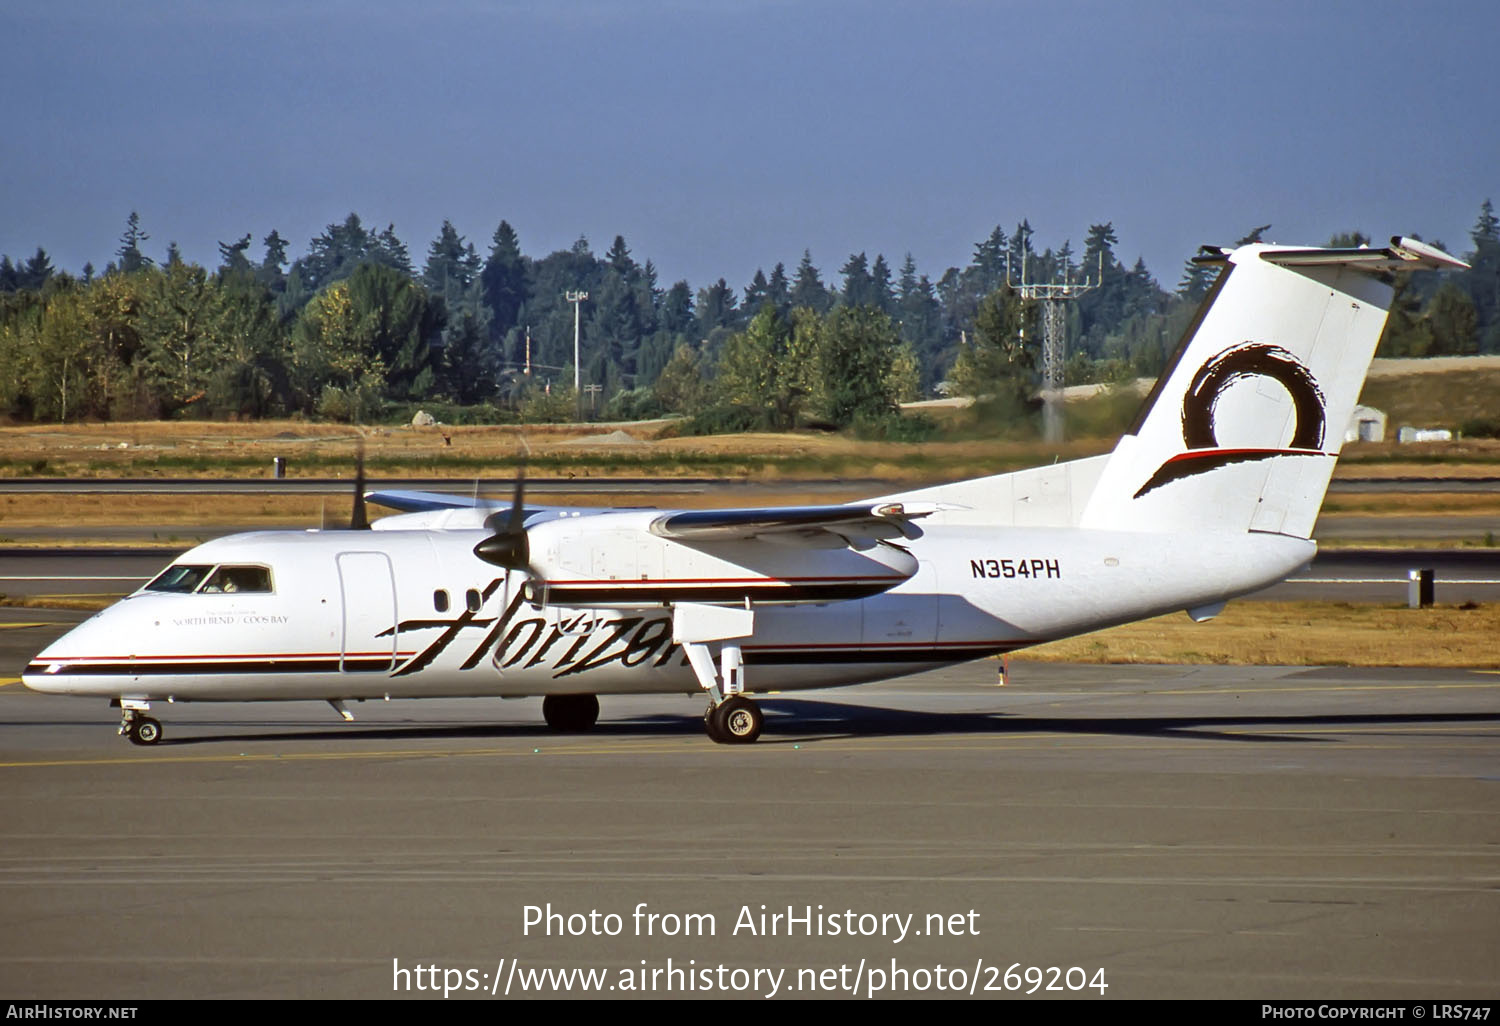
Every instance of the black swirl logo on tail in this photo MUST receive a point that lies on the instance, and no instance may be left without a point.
(1200, 404)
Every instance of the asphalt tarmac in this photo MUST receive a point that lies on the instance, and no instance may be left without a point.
(1209, 832)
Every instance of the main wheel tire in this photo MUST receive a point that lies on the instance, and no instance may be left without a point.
(145, 731)
(711, 725)
(738, 720)
(571, 714)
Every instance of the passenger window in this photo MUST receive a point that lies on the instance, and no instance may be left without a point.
(472, 598)
(440, 600)
(183, 577)
(229, 579)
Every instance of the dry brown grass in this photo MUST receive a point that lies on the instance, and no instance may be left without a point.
(1412, 504)
(245, 449)
(1443, 399)
(89, 604)
(73, 512)
(23, 510)
(1297, 634)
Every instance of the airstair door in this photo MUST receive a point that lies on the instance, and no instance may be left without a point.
(367, 588)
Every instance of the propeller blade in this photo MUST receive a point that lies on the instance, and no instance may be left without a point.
(359, 520)
(518, 505)
(508, 546)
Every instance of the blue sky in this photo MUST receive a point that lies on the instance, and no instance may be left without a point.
(719, 137)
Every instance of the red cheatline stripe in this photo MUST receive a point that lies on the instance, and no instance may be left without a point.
(1193, 454)
(226, 658)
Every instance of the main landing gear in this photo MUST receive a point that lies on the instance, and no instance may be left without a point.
(134, 724)
(731, 718)
(571, 714)
(736, 720)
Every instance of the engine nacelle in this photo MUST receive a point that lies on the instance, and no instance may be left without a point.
(614, 561)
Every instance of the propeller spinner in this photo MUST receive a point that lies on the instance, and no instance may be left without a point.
(508, 546)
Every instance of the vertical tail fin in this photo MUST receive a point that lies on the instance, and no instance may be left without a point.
(1244, 426)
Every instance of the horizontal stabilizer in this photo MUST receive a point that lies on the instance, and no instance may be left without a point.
(1403, 254)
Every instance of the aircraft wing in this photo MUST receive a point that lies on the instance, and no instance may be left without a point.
(438, 511)
(872, 520)
(423, 502)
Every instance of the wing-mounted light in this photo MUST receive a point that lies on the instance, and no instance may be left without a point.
(903, 513)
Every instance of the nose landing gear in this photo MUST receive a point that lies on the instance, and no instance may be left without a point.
(141, 729)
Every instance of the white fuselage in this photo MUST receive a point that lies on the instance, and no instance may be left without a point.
(414, 613)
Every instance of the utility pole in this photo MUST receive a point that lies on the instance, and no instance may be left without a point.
(1054, 336)
(576, 298)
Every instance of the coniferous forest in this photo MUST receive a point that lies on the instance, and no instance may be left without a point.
(356, 329)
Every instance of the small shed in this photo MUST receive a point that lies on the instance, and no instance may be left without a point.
(1366, 424)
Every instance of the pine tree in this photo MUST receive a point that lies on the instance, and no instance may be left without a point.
(807, 288)
(883, 295)
(505, 281)
(391, 251)
(37, 271)
(778, 291)
(675, 312)
(333, 255)
(619, 259)
(921, 319)
(1482, 280)
(232, 259)
(859, 287)
(271, 273)
(989, 261)
(757, 292)
(1195, 282)
(716, 308)
(1487, 228)
(452, 267)
(1021, 252)
(131, 257)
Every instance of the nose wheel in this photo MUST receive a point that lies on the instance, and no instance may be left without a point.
(141, 729)
(736, 720)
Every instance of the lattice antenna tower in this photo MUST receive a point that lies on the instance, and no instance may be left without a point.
(1053, 295)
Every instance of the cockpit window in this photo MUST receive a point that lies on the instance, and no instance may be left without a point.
(190, 577)
(183, 577)
(238, 578)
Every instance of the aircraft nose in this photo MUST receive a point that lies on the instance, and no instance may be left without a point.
(37, 674)
(41, 673)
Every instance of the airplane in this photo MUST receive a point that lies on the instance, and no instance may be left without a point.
(1211, 494)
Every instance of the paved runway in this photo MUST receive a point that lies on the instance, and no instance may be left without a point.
(1193, 832)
